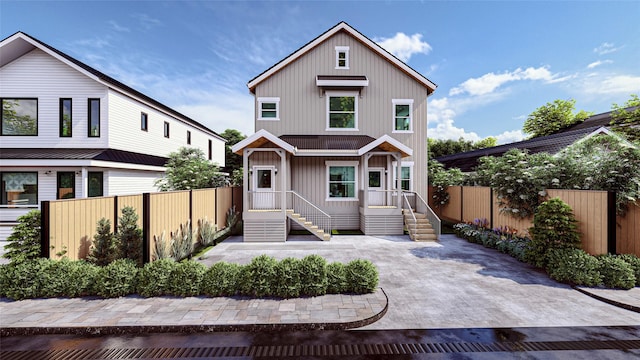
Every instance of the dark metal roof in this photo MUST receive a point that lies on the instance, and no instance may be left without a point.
(327, 142)
(342, 77)
(113, 155)
(551, 144)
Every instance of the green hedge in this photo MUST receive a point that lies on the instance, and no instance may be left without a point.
(264, 276)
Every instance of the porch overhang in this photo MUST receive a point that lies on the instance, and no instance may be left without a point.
(259, 139)
(388, 144)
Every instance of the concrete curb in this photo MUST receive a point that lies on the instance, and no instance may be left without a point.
(608, 301)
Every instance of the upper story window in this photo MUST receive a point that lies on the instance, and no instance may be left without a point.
(144, 121)
(342, 57)
(268, 108)
(188, 137)
(166, 129)
(402, 115)
(342, 110)
(94, 117)
(210, 149)
(19, 117)
(65, 118)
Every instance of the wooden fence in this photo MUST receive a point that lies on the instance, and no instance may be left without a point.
(68, 226)
(601, 230)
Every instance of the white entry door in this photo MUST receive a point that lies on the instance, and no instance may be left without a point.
(263, 184)
(376, 182)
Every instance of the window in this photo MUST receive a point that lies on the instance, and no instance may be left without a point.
(342, 181)
(269, 108)
(144, 122)
(19, 117)
(65, 118)
(19, 188)
(342, 111)
(402, 115)
(94, 117)
(96, 184)
(406, 175)
(210, 149)
(166, 129)
(66, 188)
(188, 137)
(342, 57)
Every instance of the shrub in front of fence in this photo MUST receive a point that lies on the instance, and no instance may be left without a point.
(24, 242)
(573, 266)
(119, 278)
(616, 273)
(634, 262)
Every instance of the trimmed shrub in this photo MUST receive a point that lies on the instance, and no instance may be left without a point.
(23, 279)
(66, 278)
(24, 242)
(5, 280)
(221, 279)
(130, 235)
(362, 276)
(105, 248)
(256, 278)
(313, 275)
(573, 266)
(336, 278)
(634, 261)
(154, 278)
(117, 279)
(286, 282)
(186, 277)
(616, 273)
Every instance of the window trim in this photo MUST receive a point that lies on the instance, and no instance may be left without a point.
(328, 164)
(144, 121)
(276, 101)
(329, 95)
(410, 165)
(345, 50)
(395, 102)
(37, 115)
(166, 129)
(89, 173)
(37, 190)
(73, 183)
(89, 102)
(61, 119)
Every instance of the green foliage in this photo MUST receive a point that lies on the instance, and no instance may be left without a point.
(256, 278)
(313, 275)
(182, 242)
(186, 277)
(616, 273)
(634, 262)
(233, 162)
(441, 179)
(625, 118)
(553, 117)
(362, 276)
(189, 169)
(160, 247)
(117, 279)
(573, 266)
(233, 220)
(130, 235)
(221, 279)
(337, 278)
(206, 232)
(439, 147)
(105, 248)
(154, 279)
(24, 242)
(286, 283)
(237, 177)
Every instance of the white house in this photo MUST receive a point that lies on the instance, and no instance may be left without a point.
(69, 131)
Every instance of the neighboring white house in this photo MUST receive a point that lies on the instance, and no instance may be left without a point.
(70, 131)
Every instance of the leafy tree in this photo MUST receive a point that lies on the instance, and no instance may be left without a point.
(553, 117)
(105, 248)
(130, 235)
(24, 242)
(626, 119)
(232, 161)
(189, 169)
(441, 179)
(438, 147)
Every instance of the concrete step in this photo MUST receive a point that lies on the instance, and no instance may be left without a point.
(424, 237)
(423, 231)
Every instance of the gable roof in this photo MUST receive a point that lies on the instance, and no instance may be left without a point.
(342, 26)
(260, 138)
(19, 44)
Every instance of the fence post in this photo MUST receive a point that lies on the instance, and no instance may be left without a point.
(215, 207)
(45, 241)
(491, 207)
(611, 222)
(146, 227)
(461, 203)
(115, 214)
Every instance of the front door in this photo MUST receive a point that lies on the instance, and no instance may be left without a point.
(376, 187)
(263, 184)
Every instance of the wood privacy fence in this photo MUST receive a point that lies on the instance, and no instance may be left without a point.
(602, 231)
(68, 226)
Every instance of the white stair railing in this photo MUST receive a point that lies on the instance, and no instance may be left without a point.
(420, 206)
(309, 211)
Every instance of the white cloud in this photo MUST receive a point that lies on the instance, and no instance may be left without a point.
(606, 48)
(222, 111)
(598, 63)
(488, 83)
(146, 21)
(510, 137)
(619, 84)
(117, 27)
(404, 46)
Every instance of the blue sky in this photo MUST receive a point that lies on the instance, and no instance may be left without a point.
(494, 62)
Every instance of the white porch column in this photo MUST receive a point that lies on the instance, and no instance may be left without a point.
(365, 176)
(283, 177)
(398, 158)
(84, 191)
(245, 178)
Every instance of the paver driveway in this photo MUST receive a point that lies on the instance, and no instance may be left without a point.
(448, 284)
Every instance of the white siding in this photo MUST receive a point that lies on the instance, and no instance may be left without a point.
(126, 182)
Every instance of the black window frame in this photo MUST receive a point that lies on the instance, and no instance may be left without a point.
(61, 129)
(90, 102)
(144, 121)
(90, 174)
(3, 193)
(188, 137)
(59, 175)
(210, 149)
(166, 130)
(2, 115)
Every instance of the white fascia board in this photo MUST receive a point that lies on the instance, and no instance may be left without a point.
(77, 163)
(385, 138)
(262, 133)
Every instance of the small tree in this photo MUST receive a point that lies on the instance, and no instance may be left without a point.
(188, 169)
(626, 118)
(552, 117)
(105, 247)
(130, 235)
(24, 242)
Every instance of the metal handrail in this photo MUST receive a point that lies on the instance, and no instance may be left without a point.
(404, 196)
(309, 211)
(435, 221)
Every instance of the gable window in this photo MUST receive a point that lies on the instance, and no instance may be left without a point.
(269, 108)
(166, 129)
(94, 117)
(402, 115)
(144, 122)
(65, 118)
(342, 110)
(342, 183)
(96, 183)
(19, 188)
(188, 137)
(406, 175)
(342, 57)
(19, 117)
(66, 188)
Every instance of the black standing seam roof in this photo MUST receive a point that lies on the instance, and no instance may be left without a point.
(327, 142)
(112, 155)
